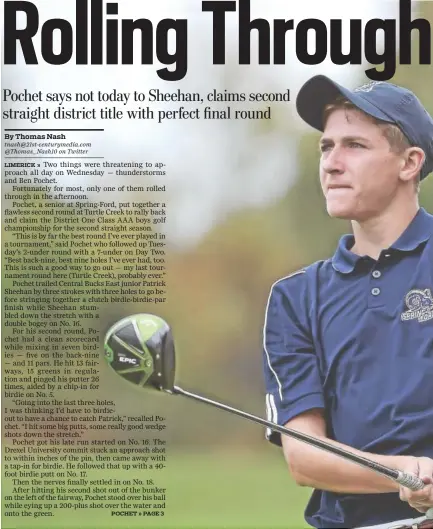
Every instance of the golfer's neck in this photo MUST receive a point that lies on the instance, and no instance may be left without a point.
(381, 231)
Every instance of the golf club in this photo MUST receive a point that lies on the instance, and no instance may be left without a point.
(140, 348)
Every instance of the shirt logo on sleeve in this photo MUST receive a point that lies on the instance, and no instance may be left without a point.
(419, 304)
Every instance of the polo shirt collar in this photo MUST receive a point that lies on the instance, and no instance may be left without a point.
(344, 260)
(419, 230)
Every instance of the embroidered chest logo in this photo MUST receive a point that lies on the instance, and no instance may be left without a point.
(419, 304)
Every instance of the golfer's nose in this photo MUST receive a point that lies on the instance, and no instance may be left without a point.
(333, 159)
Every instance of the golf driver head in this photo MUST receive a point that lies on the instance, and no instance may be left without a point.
(140, 349)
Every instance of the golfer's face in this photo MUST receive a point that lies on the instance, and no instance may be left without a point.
(358, 170)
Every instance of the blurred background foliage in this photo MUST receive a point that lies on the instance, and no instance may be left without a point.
(218, 290)
(217, 293)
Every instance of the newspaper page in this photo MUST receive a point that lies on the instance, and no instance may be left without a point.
(157, 180)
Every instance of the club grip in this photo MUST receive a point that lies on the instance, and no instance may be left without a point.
(410, 481)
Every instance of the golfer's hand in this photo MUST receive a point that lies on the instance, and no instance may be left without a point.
(421, 500)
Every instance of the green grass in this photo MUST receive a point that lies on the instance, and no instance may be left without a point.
(206, 491)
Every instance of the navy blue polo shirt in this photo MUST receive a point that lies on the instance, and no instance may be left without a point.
(354, 336)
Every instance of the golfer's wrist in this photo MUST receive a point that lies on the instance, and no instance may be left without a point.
(398, 463)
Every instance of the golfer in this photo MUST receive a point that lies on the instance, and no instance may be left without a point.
(348, 341)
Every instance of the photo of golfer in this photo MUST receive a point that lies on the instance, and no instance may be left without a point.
(348, 341)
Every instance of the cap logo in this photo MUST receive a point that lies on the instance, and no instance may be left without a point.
(419, 304)
(368, 87)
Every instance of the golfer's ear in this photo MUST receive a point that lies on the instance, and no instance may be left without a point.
(412, 161)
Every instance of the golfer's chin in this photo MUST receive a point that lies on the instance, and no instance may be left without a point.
(340, 209)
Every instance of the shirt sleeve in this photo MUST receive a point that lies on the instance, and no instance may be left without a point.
(291, 368)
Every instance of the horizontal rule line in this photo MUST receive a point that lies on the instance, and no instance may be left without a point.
(58, 130)
(59, 157)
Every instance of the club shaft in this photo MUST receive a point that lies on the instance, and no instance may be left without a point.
(408, 480)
